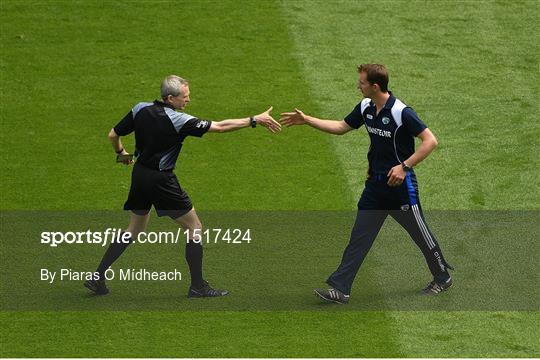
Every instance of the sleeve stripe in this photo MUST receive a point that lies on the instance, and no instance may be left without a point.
(397, 109)
(364, 105)
(177, 118)
(139, 107)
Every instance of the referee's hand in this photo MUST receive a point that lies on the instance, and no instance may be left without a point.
(266, 120)
(125, 158)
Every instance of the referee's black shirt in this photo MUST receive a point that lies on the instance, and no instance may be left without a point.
(159, 133)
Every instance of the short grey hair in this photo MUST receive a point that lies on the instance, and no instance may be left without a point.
(172, 85)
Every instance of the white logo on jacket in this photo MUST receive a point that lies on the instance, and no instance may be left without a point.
(202, 124)
(383, 133)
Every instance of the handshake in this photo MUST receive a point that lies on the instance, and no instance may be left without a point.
(265, 119)
(296, 117)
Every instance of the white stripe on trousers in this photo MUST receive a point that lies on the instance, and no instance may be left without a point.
(423, 227)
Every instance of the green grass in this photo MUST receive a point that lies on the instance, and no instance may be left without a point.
(261, 334)
(470, 70)
(71, 70)
(92, 68)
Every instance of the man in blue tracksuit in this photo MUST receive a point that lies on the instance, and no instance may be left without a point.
(391, 187)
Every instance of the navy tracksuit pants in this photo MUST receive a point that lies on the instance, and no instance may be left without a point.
(379, 200)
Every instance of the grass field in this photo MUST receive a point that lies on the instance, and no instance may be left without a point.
(71, 69)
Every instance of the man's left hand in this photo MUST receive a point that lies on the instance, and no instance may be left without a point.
(396, 175)
(125, 158)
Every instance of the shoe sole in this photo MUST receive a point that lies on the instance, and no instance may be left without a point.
(94, 289)
(327, 299)
(195, 296)
(431, 293)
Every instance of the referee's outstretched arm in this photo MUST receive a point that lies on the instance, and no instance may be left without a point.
(264, 119)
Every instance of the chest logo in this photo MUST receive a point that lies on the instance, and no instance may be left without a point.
(369, 116)
(385, 120)
(383, 133)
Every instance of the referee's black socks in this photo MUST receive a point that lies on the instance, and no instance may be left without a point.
(115, 249)
(194, 255)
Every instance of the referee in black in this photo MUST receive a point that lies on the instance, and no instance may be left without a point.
(391, 187)
(160, 128)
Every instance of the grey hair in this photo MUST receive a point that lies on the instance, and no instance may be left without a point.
(172, 85)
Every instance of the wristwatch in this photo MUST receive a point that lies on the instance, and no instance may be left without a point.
(406, 168)
(252, 121)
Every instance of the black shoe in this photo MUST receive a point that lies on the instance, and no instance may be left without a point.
(97, 286)
(434, 287)
(332, 295)
(206, 291)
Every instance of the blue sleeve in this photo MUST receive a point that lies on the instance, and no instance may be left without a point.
(355, 119)
(126, 125)
(412, 122)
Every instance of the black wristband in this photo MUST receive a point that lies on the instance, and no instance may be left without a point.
(120, 151)
(252, 121)
(406, 168)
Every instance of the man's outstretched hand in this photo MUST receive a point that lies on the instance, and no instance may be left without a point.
(296, 117)
(266, 120)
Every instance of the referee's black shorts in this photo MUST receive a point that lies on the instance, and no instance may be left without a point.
(158, 188)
